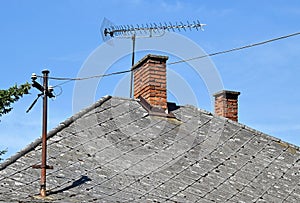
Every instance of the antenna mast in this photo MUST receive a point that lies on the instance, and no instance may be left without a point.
(144, 31)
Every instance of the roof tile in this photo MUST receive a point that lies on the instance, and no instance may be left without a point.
(114, 151)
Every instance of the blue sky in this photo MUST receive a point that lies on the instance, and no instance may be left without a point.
(60, 35)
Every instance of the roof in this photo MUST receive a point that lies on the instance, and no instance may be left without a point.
(114, 151)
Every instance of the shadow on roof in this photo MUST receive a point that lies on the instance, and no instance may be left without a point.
(76, 183)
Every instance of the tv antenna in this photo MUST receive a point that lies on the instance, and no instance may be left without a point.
(109, 30)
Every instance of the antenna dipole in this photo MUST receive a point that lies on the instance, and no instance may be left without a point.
(109, 30)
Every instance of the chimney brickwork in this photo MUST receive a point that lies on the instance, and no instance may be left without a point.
(226, 104)
(150, 80)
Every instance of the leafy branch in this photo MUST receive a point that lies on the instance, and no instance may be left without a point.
(1, 153)
(11, 95)
(8, 97)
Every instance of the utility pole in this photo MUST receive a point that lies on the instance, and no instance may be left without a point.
(46, 92)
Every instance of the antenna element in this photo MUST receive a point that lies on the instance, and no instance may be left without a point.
(129, 30)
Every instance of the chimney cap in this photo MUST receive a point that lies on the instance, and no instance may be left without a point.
(147, 57)
(226, 93)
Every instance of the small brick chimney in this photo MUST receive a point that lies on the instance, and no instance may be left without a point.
(150, 80)
(226, 104)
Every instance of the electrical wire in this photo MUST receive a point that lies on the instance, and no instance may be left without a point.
(60, 91)
(235, 49)
(90, 77)
(179, 61)
(85, 78)
(58, 85)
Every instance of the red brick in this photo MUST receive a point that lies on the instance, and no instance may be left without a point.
(150, 80)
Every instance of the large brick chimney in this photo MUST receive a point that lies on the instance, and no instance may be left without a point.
(150, 76)
(226, 104)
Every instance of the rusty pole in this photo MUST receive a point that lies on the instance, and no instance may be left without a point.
(46, 93)
(44, 134)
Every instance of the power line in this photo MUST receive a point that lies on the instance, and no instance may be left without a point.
(91, 77)
(85, 78)
(59, 85)
(235, 49)
(179, 61)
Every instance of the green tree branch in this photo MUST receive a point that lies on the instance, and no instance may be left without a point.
(11, 95)
(1, 153)
(8, 97)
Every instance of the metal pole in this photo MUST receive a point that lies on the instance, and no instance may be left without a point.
(44, 135)
(132, 63)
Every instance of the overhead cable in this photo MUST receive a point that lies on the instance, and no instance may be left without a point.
(180, 61)
(235, 49)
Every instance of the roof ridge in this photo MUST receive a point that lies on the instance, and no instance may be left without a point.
(201, 110)
(246, 127)
(52, 132)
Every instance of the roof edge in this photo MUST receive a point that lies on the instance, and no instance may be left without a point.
(246, 127)
(258, 132)
(53, 132)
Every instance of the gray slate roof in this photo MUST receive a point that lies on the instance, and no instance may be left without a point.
(114, 152)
